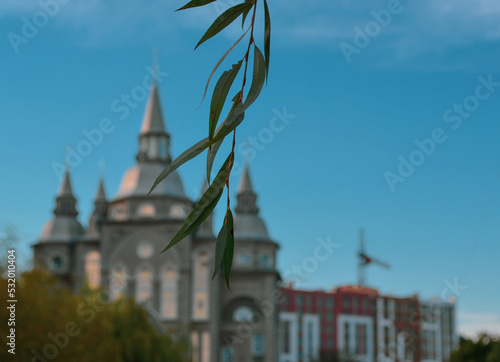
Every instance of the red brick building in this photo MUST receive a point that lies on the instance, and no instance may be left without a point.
(357, 323)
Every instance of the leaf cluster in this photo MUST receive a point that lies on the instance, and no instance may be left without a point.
(219, 130)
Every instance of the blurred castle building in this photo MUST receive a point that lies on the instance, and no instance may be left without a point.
(119, 249)
(259, 320)
(352, 323)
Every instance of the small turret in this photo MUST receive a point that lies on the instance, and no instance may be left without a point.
(100, 211)
(247, 222)
(64, 225)
(154, 141)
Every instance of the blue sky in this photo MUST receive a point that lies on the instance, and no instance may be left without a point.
(351, 120)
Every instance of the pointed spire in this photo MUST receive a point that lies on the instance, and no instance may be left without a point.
(100, 202)
(245, 183)
(101, 194)
(247, 199)
(153, 118)
(247, 222)
(64, 225)
(154, 141)
(100, 211)
(65, 188)
(66, 201)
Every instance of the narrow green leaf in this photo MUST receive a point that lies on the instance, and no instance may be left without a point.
(233, 120)
(187, 155)
(220, 243)
(258, 77)
(199, 214)
(267, 36)
(226, 18)
(227, 259)
(220, 62)
(204, 207)
(219, 96)
(212, 152)
(245, 13)
(195, 3)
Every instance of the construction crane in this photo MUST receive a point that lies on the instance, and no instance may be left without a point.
(364, 260)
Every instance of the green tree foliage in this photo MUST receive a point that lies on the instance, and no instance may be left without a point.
(485, 349)
(217, 131)
(54, 324)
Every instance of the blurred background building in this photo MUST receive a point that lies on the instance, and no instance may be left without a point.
(259, 320)
(355, 323)
(119, 247)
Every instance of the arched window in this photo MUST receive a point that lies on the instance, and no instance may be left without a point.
(243, 258)
(243, 313)
(153, 147)
(163, 148)
(119, 212)
(265, 261)
(56, 262)
(118, 282)
(169, 292)
(200, 286)
(144, 144)
(93, 269)
(144, 285)
(146, 210)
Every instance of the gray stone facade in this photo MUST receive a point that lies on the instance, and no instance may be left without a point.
(119, 250)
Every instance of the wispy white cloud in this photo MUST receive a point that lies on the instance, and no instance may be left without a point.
(471, 325)
(423, 26)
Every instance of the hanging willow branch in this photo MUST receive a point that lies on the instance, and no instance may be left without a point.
(217, 131)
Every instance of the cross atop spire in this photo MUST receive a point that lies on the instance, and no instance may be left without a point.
(156, 56)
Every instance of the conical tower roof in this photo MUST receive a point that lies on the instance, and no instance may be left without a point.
(100, 211)
(65, 188)
(101, 194)
(245, 182)
(152, 158)
(247, 222)
(64, 225)
(153, 121)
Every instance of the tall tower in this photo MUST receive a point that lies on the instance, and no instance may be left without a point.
(253, 284)
(126, 233)
(53, 249)
(139, 226)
